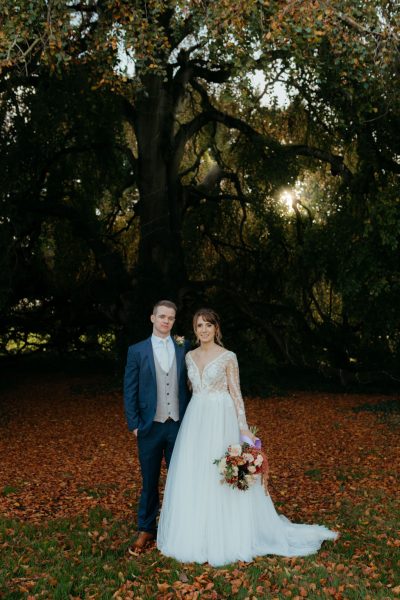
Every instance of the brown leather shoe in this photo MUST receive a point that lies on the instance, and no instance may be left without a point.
(143, 540)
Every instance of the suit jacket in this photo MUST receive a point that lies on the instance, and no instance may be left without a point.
(140, 385)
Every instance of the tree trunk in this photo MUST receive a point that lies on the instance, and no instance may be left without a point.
(161, 269)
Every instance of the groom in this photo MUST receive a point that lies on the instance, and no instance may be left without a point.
(155, 396)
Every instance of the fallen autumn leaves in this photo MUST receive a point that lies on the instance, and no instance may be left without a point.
(68, 458)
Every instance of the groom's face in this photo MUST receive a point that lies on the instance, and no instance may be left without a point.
(163, 320)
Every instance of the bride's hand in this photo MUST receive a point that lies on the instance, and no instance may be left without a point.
(249, 434)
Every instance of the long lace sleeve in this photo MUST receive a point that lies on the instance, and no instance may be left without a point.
(232, 371)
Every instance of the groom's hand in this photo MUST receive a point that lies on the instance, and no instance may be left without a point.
(135, 432)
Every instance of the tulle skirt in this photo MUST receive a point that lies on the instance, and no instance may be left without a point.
(203, 520)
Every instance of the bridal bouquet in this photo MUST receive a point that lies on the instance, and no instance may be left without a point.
(242, 464)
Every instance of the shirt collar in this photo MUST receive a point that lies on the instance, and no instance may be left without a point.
(158, 340)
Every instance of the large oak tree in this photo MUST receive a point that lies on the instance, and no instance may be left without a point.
(193, 129)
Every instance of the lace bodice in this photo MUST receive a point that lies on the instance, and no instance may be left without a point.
(219, 375)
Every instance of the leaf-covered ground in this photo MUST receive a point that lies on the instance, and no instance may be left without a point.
(70, 480)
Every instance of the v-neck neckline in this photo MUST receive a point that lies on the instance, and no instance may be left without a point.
(207, 364)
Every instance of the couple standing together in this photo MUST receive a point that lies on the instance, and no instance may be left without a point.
(201, 520)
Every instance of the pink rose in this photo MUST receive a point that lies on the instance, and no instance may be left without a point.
(248, 457)
(259, 460)
(235, 450)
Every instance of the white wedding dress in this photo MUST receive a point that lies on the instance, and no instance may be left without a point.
(203, 520)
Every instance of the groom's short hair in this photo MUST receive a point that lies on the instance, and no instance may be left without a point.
(166, 303)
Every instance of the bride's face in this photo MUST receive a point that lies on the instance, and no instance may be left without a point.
(205, 330)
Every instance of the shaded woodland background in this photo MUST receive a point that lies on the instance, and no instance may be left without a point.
(145, 154)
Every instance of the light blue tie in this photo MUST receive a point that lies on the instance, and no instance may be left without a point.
(164, 356)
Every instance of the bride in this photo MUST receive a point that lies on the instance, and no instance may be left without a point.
(201, 519)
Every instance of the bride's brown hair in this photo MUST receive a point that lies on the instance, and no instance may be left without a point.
(209, 315)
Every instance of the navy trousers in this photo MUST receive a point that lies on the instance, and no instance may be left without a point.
(157, 444)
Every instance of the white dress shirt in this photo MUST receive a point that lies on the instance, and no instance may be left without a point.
(158, 348)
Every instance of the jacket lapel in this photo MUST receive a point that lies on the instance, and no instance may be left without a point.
(149, 352)
(179, 353)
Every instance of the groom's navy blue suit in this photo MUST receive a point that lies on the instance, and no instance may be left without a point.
(155, 440)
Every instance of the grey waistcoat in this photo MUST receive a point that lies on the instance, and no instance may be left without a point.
(167, 393)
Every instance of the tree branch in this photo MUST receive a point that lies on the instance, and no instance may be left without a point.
(261, 140)
(360, 28)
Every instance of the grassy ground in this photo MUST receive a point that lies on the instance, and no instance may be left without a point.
(69, 485)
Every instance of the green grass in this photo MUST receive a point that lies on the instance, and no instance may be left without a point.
(98, 491)
(314, 474)
(9, 489)
(87, 558)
